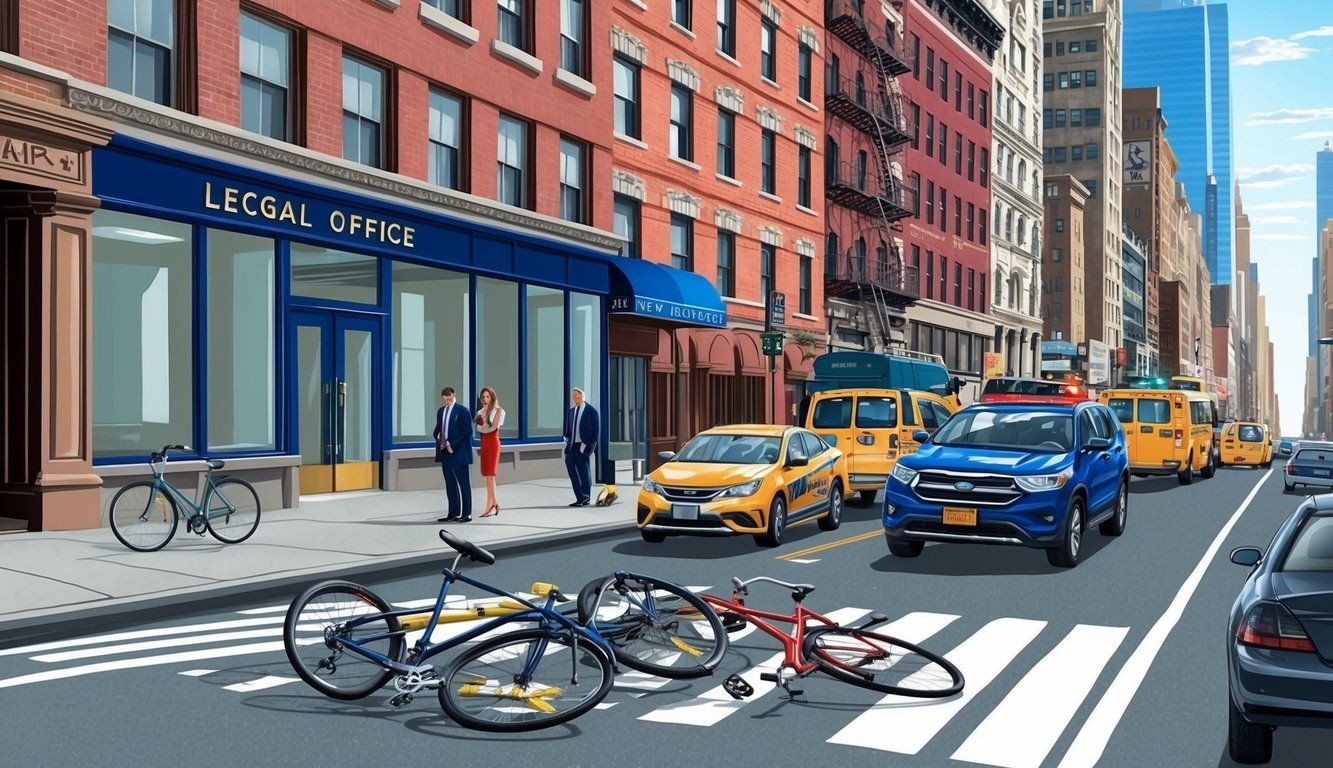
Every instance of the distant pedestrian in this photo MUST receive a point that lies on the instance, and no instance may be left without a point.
(490, 417)
(582, 431)
(453, 450)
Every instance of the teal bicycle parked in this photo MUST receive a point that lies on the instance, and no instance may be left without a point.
(146, 513)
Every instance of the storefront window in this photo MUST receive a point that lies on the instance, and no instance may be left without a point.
(431, 342)
(143, 329)
(496, 342)
(546, 362)
(585, 348)
(326, 273)
(240, 332)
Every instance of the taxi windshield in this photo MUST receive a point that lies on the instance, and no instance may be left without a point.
(1028, 432)
(731, 449)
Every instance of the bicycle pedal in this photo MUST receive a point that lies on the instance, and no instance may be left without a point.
(736, 686)
(770, 677)
(732, 622)
(399, 701)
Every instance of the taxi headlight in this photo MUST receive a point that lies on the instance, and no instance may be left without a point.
(903, 474)
(651, 486)
(744, 489)
(1033, 483)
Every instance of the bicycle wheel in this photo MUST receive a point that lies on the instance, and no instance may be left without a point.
(233, 510)
(316, 634)
(524, 681)
(654, 626)
(882, 663)
(143, 516)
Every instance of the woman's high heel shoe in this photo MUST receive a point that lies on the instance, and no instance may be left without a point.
(489, 513)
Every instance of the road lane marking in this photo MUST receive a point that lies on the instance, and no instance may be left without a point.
(830, 545)
(198, 672)
(267, 681)
(905, 724)
(144, 661)
(139, 635)
(803, 560)
(1095, 734)
(152, 645)
(1021, 731)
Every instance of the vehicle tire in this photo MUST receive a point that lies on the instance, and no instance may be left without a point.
(1248, 744)
(143, 517)
(653, 626)
(1287, 487)
(527, 671)
(321, 614)
(1186, 475)
(881, 663)
(1115, 525)
(866, 498)
(233, 514)
(905, 547)
(1210, 468)
(1139, 474)
(833, 519)
(1071, 544)
(777, 523)
(653, 537)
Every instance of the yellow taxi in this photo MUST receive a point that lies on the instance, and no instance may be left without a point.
(1247, 443)
(1167, 431)
(744, 479)
(873, 428)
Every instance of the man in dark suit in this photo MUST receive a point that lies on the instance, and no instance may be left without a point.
(453, 450)
(582, 430)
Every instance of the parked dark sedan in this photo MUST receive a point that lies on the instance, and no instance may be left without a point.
(1280, 639)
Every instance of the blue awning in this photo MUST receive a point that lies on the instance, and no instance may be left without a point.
(643, 288)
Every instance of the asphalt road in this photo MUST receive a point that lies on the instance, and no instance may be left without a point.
(1119, 662)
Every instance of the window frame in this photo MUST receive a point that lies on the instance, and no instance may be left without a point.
(768, 161)
(804, 67)
(633, 248)
(389, 105)
(633, 108)
(526, 153)
(582, 192)
(726, 272)
(524, 25)
(682, 144)
(462, 164)
(726, 27)
(805, 295)
(804, 161)
(687, 257)
(726, 142)
(183, 66)
(768, 60)
(584, 66)
(296, 70)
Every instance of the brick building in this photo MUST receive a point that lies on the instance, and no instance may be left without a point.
(1064, 292)
(291, 223)
(716, 171)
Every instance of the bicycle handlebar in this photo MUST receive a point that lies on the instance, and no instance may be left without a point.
(162, 454)
(742, 587)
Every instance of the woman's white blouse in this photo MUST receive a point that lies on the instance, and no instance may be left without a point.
(491, 422)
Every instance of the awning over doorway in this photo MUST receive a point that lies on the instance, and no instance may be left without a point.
(646, 289)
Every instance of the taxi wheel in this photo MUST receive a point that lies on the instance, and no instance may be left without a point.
(1071, 544)
(1210, 468)
(1186, 475)
(777, 523)
(833, 519)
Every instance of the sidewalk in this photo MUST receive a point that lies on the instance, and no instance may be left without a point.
(79, 575)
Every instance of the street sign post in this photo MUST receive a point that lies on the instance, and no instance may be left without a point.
(772, 343)
(775, 314)
(777, 309)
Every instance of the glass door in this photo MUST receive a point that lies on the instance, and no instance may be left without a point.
(628, 429)
(334, 375)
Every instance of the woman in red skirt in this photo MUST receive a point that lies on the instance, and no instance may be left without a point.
(490, 417)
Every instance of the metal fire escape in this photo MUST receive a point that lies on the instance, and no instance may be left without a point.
(878, 282)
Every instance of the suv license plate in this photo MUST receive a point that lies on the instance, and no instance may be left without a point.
(960, 516)
(685, 511)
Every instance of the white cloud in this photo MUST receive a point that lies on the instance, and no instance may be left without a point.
(1265, 50)
(1289, 116)
(1277, 220)
(1273, 175)
(1291, 238)
(1324, 31)
(1283, 206)
(1313, 135)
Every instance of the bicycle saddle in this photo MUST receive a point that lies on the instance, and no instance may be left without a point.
(216, 463)
(467, 549)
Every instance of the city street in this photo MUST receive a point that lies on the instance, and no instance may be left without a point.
(1124, 653)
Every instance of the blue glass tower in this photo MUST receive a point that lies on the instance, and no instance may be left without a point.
(1182, 48)
(1323, 211)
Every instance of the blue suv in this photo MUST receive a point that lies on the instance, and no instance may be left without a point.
(1034, 475)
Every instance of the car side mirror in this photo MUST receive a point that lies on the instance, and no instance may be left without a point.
(921, 435)
(1246, 556)
(666, 455)
(1097, 444)
(798, 461)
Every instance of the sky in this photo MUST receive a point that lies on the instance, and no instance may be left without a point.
(1282, 113)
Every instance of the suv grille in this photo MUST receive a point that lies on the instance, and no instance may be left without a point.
(987, 490)
(681, 495)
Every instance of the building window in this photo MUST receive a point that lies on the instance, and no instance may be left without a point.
(930, 68)
(726, 263)
(141, 49)
(971, 289)
(930, 202)
(571, 181)
(432, 343)
(682, 122)
(1090, 78)
(944, 80)
(627, 96)
(241, 333)
(804, 58)
(726, 27)
(726, 143)
(768, 158)
(862, 166)
(930, 135)
(626, 224)
(1048, 82)
(916, 55)
(496, 343)
(983, 110)
(545, 412)
(767, 255)
(1090, 152)
(930, 274)
(915, 109)
(682, 242)
(446, 139)
(265, 77)
(981, 226)
(511, 162)
(958, 91)
(803, 176)
(971, 160)
(1092, 116)
(805, 297)
(571, 37)
(452, 8)
(984, 166)
(957, 284)
(1076, 153)
(958, 216)
(971, 220)
(511, 27)
(768, 52)
(958, 153)
(1058, 225)
(363, 113)
(682, 13)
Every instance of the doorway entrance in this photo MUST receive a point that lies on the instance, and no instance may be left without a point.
(335, 360)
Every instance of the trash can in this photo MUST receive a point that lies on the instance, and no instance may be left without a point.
(636, 468)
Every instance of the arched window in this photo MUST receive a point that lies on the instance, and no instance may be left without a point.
(1032, 295)
(834, 84)
(1036, 238)
(1015, 290)
(860, 89)
(1036, 185)
(1009, 168)
(862, 161)
(999, 289)
(1009, 225)
(997, 218)
(1022, 174)
(1022, 229)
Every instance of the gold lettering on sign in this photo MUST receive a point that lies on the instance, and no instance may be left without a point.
(42, 160)
(254, 205)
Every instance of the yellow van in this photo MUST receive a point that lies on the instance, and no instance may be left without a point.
(1168, 432)
(873, 427)
(1247, 443)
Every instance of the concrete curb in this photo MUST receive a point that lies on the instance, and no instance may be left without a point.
(49, 624)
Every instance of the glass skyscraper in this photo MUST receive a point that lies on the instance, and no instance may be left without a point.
(1182, 48)
(1323, 211)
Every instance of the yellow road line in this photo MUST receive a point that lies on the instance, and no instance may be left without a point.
(830, 545)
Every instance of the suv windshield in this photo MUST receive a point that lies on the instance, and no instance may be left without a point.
(731, 449)
(1039, 432)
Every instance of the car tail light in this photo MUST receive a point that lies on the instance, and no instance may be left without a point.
(1271, 625)
(1180, 437)
(1291, 469)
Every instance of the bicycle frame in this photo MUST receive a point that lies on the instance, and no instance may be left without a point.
(791, 643)
(206, 491)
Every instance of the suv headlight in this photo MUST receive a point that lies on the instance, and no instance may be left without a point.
(903, 474)
(1032, 483)
(743, 489)
(651, 486)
